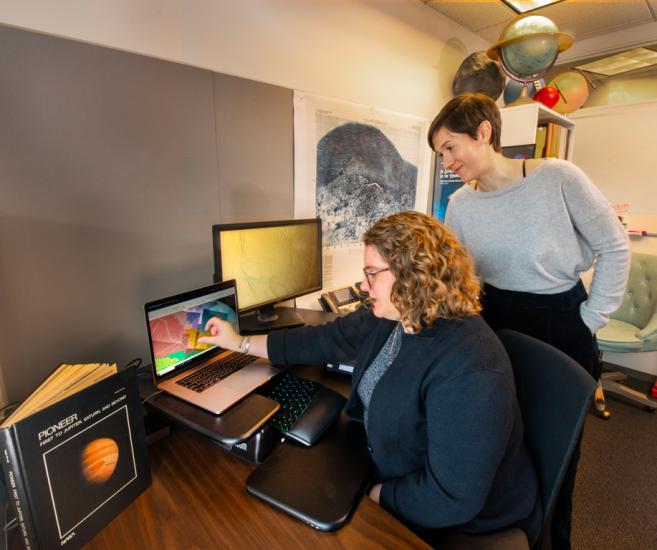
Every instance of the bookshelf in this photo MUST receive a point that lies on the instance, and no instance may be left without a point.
(520, 123)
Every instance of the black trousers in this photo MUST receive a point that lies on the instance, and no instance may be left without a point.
(554, 319)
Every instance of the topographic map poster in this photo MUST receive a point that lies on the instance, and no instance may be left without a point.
(353, 165)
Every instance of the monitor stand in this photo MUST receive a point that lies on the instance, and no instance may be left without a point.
(270, 318)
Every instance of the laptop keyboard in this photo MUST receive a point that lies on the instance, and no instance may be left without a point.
(213, 373)
(294, 395)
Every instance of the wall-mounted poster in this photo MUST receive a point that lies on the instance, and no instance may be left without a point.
(445, 183)
(353, 165)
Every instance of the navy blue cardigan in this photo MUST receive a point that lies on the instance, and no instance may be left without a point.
(444, 431)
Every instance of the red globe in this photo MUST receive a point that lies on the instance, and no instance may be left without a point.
(548, 96)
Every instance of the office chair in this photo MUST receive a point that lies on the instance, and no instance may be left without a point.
(554, 393)
(633, 327)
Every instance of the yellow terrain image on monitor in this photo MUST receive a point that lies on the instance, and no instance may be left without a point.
(270, 263)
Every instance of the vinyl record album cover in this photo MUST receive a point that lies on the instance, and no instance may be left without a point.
(74, 465)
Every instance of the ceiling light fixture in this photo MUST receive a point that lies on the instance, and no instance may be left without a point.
(523, 6)
(637, 58)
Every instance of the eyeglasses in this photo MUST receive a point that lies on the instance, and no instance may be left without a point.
(370, 274)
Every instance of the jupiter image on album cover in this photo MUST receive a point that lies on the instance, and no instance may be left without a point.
(89, 468)
(99, 459)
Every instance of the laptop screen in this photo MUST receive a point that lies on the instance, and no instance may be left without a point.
(175, 324)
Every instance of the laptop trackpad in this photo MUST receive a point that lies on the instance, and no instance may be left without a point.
(249, 377)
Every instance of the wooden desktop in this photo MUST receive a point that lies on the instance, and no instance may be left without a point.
(198, 499)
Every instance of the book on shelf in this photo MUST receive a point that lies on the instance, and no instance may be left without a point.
(74, 454)
(562, 152)
(548, 140)
(556, 141)
(541, 136)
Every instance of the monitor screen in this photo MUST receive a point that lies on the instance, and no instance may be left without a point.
(519, 151)
(271, 261)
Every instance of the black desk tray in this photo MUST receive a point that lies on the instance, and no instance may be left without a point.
(233, 427)
(320, 485)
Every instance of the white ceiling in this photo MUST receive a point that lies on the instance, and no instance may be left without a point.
(582, 19)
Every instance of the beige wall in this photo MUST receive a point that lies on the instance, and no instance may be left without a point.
(394, 54)
(615, 145)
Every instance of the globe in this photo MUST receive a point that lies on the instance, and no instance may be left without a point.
(479, 73)
(528, 46)
(573, 91)
(513, 89)
(530, 57)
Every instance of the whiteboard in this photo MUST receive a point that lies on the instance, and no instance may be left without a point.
(616, 146)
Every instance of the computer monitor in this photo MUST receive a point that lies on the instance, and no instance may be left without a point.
(272, 262)
(519, 151)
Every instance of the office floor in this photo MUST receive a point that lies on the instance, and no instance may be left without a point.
(615, 501)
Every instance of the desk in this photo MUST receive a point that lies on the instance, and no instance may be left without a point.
(198, 500)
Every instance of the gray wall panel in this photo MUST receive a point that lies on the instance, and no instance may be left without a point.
(109, 184)
(255, 122)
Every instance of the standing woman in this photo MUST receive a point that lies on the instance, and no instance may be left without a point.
(533, 227)
(431, 383)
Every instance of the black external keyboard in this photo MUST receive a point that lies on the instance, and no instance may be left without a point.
(213, 373)
(294, 395)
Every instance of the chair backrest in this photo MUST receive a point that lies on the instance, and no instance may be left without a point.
(640, 299)
(554, 393)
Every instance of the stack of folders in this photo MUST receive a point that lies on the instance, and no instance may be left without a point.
(74, 454)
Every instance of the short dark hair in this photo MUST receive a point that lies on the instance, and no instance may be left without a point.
(464, 114)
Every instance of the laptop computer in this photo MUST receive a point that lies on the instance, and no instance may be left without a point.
(205, 375)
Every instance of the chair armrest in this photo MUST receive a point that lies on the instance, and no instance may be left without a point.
(650, 330)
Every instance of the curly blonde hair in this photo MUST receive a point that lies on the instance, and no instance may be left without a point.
(434, 273)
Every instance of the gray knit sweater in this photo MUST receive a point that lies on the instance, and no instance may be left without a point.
(539, 234)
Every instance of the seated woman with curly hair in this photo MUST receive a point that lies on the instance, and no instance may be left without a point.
(431, 382)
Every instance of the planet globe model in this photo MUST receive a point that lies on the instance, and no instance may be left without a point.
(513, 89)
(99, 458)
(573, 91)
(548, 96)
(528, 46)
(479, 73)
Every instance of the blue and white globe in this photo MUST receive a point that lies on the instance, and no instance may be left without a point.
(528, 46)
(530, 56)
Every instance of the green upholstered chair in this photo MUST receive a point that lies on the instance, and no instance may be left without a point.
(633, 327)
